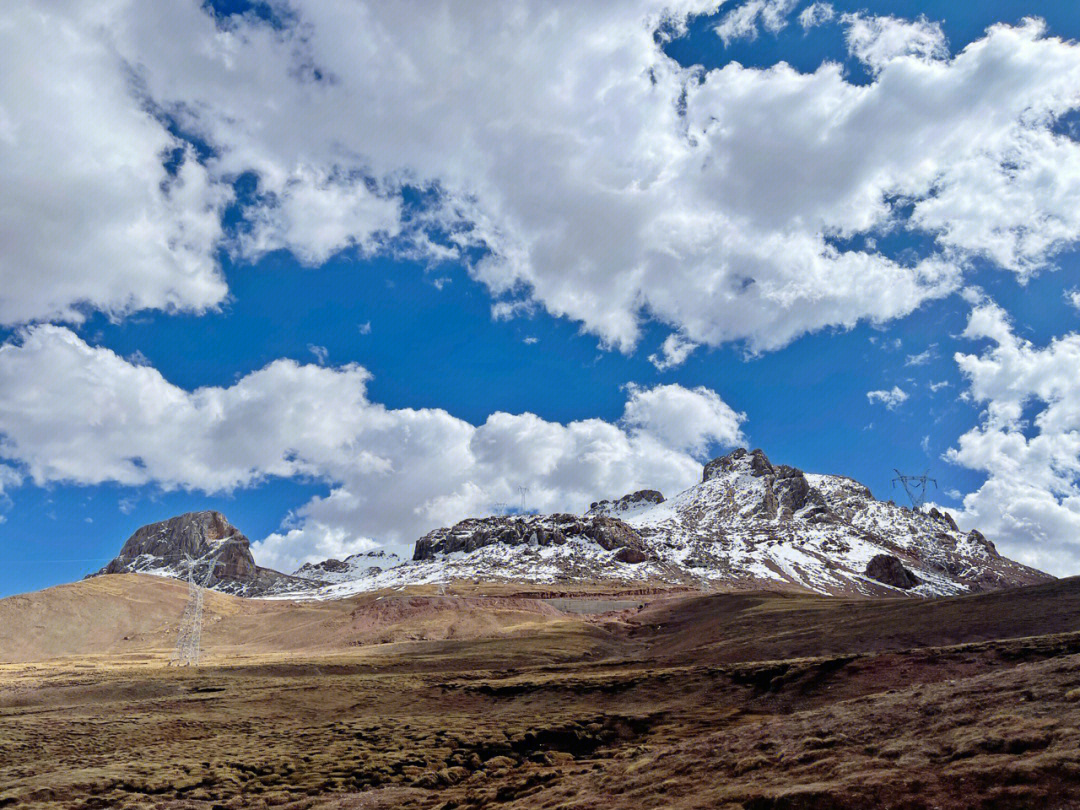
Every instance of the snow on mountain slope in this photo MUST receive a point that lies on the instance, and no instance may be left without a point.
(750, 520)
(353, 567)
(747, 524)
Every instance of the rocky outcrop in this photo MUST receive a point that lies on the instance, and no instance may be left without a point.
(944, 517)
(355, 566)
(220, 552)
(888, 570)
(539, 530)
(754, 462)
(633, 502)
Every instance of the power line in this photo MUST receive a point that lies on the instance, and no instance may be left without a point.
(189, 637)
(915, 487)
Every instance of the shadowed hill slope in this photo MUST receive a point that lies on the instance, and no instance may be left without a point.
(721, 628)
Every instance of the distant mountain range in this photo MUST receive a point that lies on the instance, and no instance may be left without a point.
(747, 524)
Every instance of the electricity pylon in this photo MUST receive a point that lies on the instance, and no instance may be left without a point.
(915, 487)
(523, 491)
(189, 638)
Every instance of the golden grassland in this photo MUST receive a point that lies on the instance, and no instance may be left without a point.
(749, 701)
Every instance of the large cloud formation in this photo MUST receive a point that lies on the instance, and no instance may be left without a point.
(598, 177)
(567, 163)
(89, 214)
(1028, 442)
(393, 473)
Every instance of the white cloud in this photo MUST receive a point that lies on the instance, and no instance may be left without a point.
(1030, 501)
(75, 413)
(690, 420)
(311, 542)
(713, 221)
(1073, 297)
(531, 341)
(816, 14)
(878, 41)
(937, 386)
(598, 178)
(673, 352)
(316, 213)
(365, 328)
(742, 22)
(891, 398)
(89, 216)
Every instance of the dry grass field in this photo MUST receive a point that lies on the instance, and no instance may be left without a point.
(751, 701)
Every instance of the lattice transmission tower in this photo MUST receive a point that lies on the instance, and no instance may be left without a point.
(189, 638)
(915, 487)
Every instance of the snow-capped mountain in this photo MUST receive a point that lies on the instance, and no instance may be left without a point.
(748, 524)
(749, 520)
(353, 567)
(220, 552)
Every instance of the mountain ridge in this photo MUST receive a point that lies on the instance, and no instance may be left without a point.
(747, 524)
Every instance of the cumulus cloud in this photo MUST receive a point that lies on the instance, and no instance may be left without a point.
(878, 41)
(1073, 297)
(77, 413)
(673, 352)
(890, 398)
(316, 213)
(1030, 501)
(89, 214)
(589, 174)
(690, 420)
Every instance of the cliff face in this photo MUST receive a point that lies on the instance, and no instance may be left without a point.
(220, 552)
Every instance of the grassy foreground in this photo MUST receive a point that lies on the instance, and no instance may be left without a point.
(693, 702)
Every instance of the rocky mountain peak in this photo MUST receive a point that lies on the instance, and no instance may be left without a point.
(220, 551)
(752, 462)
(633, 502)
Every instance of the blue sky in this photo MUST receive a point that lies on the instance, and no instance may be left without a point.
(389, 312)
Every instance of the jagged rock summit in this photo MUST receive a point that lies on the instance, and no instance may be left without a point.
(627, 504)
(749, 523)
(221, 552)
